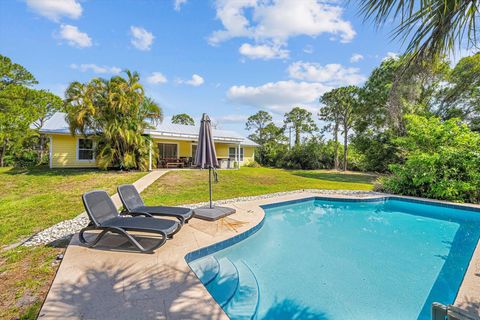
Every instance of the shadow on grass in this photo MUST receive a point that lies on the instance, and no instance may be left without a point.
(337, 176)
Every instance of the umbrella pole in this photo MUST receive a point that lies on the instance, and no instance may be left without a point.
(210, 184)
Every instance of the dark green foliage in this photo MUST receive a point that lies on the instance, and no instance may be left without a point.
(312, 154)
(258, 122)
(23, 111)
(184, 119)
(301, 121)
(461, 98)
(442, 161)
(377, 151)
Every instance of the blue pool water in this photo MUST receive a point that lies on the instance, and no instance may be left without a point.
(321, 259)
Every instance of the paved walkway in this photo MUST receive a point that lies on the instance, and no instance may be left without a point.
(66, 228)
(103, 283)
(142, 183)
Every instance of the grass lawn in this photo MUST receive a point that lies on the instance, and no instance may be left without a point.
(182, 187)
(32, 200)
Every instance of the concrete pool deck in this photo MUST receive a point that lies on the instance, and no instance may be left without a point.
(112, 281)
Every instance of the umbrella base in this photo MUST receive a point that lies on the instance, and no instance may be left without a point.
(212, 214)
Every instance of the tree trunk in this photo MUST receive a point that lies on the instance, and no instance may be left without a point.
(345, 149)
(297, 137)
(41, 152)
(2, 152)
(335, 137)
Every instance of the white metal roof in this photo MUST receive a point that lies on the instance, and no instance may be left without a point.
(57, 124)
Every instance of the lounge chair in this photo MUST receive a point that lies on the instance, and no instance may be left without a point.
(133, 204)
(104, 216)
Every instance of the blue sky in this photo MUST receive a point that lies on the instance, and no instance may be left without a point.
(229, 58)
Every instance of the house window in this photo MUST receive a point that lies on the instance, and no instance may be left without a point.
(232, 153)
(167, 151)
(85, 149)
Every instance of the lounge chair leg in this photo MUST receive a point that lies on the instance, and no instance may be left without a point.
(134, 242)
(94, 242)
(176, 231)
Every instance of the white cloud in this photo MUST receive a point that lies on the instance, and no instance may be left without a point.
(356, 57)
(141, 38)
(178, 4)
(156, 78)
(331, 74)
(95, 68)
(232, 118)
(263, 51)
(74, 37)
(195, 81)
(278, 96)
(390, 55)
(56, 9)
(277, 21)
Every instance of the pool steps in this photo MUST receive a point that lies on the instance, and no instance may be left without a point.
(206, 268)
(233, 286)
(225, 284)
(244, 303)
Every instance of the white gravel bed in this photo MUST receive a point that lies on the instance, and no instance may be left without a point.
(65, 229)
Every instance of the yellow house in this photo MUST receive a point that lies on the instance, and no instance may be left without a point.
(174, 144)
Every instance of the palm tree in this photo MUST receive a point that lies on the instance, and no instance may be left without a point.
(114, 113)
(431, 27)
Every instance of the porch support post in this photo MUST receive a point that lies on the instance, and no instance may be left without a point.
(50, 152)
(238, 155)
(150, 156)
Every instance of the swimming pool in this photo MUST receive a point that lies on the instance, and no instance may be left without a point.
(339, 259)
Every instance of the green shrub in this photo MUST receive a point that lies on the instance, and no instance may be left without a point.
(252, 164)
(442, 161)
(313, 154)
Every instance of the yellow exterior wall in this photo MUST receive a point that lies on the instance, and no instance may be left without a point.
(64, 153)
(184, 147)
(248, 154)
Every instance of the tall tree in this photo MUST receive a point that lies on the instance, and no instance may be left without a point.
(330, 113)
(257, 123)
(46, 104)
(14, 74)
(461, 97)
(345, 102)
(183, 118)
(274, 145)
(20, 107)
(114, 113)
(301, 121)
(431, 27)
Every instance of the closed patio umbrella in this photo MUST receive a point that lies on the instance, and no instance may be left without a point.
(206, 158)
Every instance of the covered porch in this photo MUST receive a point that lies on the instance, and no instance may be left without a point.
(176, 153)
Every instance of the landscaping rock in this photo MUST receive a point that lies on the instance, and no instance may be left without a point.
(65, 229)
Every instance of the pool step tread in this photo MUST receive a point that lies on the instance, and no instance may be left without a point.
(244, 303)
(206, 268)
(225, 284)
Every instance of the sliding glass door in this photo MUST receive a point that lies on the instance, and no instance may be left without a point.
(167, 151)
